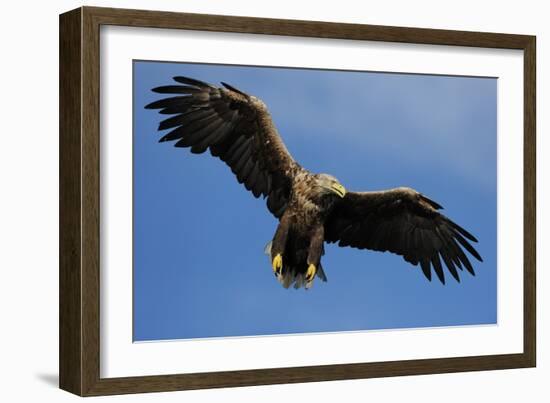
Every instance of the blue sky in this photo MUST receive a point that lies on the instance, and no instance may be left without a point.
(199, 266)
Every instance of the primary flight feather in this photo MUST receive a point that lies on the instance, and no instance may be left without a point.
(311, 208)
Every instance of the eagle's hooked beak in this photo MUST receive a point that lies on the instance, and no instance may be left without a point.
(338, 189)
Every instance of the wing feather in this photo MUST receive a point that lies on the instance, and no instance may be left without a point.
(404, 222)
(236, 128)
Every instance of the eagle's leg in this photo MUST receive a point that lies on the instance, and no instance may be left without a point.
(278, 245)
(315, 252)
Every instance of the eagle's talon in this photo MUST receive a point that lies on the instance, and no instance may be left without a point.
(277, 264)
(310, 273)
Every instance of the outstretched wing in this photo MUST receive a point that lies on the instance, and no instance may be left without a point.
(404, 222)
(235, 127)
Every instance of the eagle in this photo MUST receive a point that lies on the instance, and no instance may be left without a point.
(312, 208)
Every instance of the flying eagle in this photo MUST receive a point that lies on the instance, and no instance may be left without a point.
(311, 208)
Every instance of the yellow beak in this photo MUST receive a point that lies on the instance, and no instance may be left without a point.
(338, 189)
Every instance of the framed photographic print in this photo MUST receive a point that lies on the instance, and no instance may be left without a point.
(249, 201)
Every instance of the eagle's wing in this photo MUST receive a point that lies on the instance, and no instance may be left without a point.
(237, 128)
(404, 222)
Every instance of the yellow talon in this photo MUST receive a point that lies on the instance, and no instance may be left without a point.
(277, 263)
(310, 274)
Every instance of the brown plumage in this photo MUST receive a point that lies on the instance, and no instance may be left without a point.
(311, 208)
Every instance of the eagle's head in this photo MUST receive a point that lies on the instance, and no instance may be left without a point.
(330, 185)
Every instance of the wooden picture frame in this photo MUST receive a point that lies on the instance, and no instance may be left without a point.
(79, 201)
